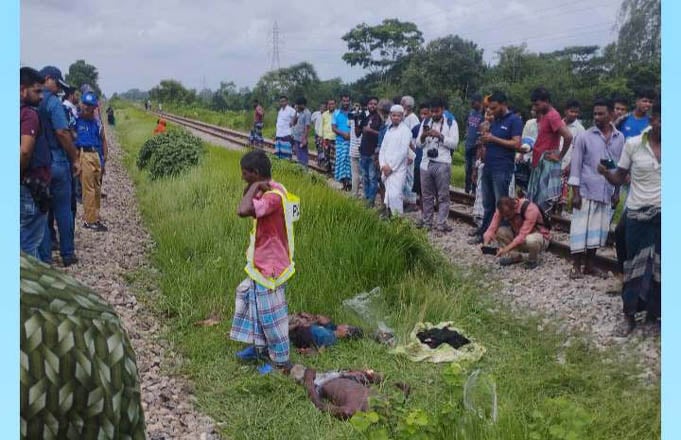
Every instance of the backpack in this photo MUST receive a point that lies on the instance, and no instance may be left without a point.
(546, 219)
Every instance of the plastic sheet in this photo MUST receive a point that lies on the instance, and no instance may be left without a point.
(480, 395)
(368, 306)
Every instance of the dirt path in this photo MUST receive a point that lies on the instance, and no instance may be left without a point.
(107, 262)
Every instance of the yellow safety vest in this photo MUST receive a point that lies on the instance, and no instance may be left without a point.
(291, 204)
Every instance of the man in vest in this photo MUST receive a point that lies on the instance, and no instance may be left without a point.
(65, 163)
(261, 312)
(90, 142)
(35, 163)
(526, 233)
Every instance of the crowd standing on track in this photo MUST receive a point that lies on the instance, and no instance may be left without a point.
(519, 173)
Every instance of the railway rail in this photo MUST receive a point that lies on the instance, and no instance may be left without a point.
(462, 203)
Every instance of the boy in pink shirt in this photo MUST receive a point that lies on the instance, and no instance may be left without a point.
(261, 312)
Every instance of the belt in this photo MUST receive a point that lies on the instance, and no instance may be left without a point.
(86, 149)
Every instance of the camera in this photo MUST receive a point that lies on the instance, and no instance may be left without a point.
(432, 153)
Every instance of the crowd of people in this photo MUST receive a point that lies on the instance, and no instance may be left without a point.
(519, 172)
(63, 152)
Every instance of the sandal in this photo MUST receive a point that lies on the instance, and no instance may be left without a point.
(575, 274)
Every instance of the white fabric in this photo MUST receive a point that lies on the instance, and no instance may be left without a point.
(411, 120)
(646, 172)
(285, 118)
(575, 128)
(393, 153)
(444, 147)
(316, 119)
(354, 140)
(72, 108)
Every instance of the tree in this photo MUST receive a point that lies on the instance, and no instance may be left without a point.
(82, 73)
(297, 80)
(447, 66)
(379, 47)
(639, 33)
(170, 90)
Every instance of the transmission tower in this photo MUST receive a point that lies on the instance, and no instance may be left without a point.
(274, 61)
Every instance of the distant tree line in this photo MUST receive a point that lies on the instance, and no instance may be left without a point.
(399, 62)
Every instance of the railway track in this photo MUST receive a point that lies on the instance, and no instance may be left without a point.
(461, 208)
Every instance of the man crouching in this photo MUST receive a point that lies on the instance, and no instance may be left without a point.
(261, 312)
(526, 231)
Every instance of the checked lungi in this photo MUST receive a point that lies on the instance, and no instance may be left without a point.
(283, 148)
(544, 188)
(342, 168)
(589, 226)
(261, 318)
(642, 281)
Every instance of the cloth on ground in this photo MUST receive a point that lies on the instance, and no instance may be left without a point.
(435, 337)
(417, 351)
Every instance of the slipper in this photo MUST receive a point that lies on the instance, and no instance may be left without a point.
(576, 274)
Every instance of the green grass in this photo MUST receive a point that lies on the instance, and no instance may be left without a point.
(343, 249)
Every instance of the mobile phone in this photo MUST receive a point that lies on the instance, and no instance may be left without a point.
(608, 163)
(489, 250)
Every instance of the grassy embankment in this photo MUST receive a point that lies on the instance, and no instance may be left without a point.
(244, 120)
(343, 249)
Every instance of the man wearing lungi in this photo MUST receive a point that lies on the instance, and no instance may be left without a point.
(642, 157)
(261, 312)
(593, 198)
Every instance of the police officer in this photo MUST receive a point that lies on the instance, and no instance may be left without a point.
(91, 144)
(64, 164)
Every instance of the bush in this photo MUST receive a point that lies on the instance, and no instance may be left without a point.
(170, 153)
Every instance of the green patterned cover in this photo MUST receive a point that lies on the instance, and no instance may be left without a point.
(78, 373)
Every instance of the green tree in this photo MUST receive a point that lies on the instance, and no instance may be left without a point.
(170, 90)
(298, 80)
(448, 66)
(639, 23)
(81, 73)
(378, 48)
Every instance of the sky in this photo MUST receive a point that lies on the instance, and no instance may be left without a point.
(136, 44)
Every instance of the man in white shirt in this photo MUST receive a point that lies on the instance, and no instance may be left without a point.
(411, 120)
(316, 119)
(392, 160)
(437, 137)
(283, 139)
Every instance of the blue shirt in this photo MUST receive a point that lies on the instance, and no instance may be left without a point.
(472, 124)
(498, 158)
(53, 118)
(340, 120)
(87, 133)
(632, 126)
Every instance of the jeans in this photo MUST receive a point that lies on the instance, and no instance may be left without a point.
(470, 163)
(369, 178)
(494, 186)
(60, 187)
(32, 223)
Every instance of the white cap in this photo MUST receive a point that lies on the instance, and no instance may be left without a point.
(396, 109)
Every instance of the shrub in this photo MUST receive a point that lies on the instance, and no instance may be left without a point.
(170, 153)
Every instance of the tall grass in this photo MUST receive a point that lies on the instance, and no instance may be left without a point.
(343, 249)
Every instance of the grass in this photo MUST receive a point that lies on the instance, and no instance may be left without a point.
(343, 249)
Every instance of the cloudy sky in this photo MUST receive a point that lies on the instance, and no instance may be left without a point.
(137, 43)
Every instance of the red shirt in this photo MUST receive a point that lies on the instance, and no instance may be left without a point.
(271, 242)
(548, 137)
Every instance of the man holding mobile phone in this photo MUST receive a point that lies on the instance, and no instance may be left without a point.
(593, 198)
